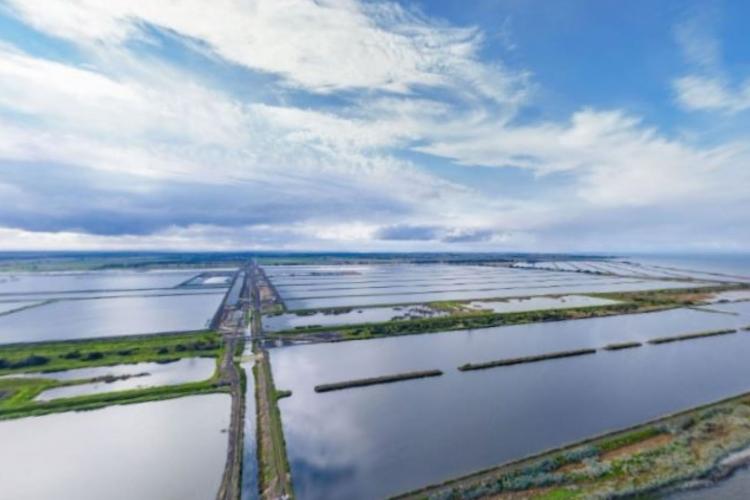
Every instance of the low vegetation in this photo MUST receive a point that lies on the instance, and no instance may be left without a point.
(691, 336)
(273, 466)
(646, 460)
(387, 379)
(57, 356)
(621, 345)
(36, 359)
(459, 318)
(281, 394)
(20, 404)
(525, 359)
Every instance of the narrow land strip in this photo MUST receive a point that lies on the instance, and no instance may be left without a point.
(525, 359)
(692, 336)
(275, 479)
(386, 379)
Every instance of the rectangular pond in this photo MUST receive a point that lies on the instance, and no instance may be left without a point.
(172, 449)
(16, 283)
(382, 440)
(110, 317)
(290, 321)
(155, 292)
(413, 298)
(292, 293)
(139, 376)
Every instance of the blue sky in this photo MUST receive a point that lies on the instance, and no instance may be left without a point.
(486, 125)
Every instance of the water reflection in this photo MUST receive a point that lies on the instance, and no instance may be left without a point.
(152, 451)
(142, 376)
(594, 287)
(108, 318)
(92, 280)
(381, 440)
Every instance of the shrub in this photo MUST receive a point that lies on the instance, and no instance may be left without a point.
(627, 439)
(581, 453)
(30, 361)
(92, 356)
(72, 355)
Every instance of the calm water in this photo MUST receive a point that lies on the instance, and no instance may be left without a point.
(298, 293)
(521, 278)
(12, 306)
(156, 374)
(735, 487)
(93, 280)
(541, 303)
(604, 286)
(382, 440)
(373, 314)
(167, 450)
(117, 293)
(731, 296)
(737, 265)
(109, 318)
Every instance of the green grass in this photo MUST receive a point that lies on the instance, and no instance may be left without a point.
(57, 356)
(629, 302)
(628, 439)
(559, 494)
(20, 392)
(30, 408)
(465, 322)
(271, 465)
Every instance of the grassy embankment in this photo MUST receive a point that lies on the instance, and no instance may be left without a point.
(274, 470)
(461, 319)
(642, 460)
(59, 356)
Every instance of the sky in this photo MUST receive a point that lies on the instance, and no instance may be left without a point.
(433, 125)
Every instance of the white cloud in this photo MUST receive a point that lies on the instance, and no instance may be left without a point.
(320, 46)
(707, 87)
(330, 173)
(171, 128)
(615, 159)
(707, 93)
